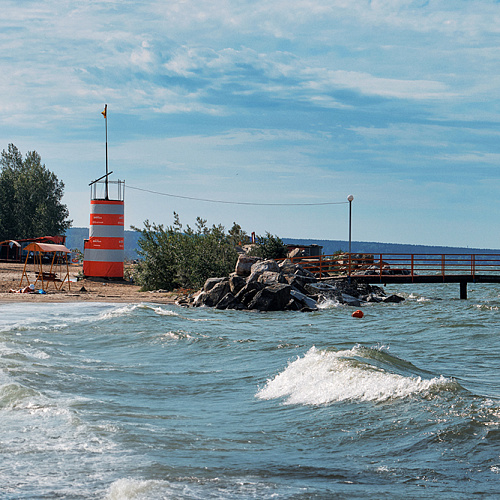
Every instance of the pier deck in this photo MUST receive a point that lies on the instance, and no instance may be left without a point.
(406, 268)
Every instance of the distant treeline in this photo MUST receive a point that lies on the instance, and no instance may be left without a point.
(76, 235)
(332, 246)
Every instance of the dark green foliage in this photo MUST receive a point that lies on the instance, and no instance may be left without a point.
(30, 197)
(270, 247)
(172, 258)
(237, 236)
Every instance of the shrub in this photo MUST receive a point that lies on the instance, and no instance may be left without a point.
(172, 258)
(269, 247)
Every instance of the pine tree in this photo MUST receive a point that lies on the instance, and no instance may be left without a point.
(30, 197)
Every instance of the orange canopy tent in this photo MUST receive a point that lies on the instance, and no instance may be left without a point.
(59, 268)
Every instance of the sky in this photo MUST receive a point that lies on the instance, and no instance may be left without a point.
(280, 109)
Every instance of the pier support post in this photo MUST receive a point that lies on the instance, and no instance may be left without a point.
(463, 290)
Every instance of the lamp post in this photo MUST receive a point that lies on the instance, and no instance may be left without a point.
(349, 199)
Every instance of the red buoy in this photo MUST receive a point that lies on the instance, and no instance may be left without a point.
(357, 314)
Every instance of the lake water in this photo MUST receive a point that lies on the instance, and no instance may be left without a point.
(145, 401)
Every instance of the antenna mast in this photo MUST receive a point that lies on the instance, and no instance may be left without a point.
(105, 114)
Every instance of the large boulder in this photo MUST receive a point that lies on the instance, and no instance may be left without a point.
(214, 295)
(236, 283)
(272, 298)
(296, 283)
(211, 282)
(304, 300)
(270, 278)
(393, 298)
(266, 271)
(287, 266)
(248, 292)
(304, 275)
(265, 265)
(350, 300)
(229, 301)
(244, 264)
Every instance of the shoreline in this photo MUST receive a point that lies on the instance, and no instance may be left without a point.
(79, 290)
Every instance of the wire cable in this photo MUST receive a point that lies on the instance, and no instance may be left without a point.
(238, 202)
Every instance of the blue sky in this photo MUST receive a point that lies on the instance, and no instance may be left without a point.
(286, 102)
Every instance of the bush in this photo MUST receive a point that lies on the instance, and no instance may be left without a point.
(269, 247)
(172, 258)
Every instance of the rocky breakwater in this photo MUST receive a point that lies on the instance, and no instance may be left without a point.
(265, 285)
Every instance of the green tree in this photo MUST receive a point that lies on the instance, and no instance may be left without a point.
(30, 197)
(173, 257)
(269, 247)
(237, 236)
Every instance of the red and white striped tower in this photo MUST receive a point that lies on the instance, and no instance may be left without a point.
(104, 250)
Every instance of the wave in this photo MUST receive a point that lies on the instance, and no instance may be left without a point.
(118, 312)
(13, 395)
(197, 487)
(359, 374)
(328, 304)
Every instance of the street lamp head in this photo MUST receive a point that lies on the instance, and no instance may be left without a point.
(350, 198)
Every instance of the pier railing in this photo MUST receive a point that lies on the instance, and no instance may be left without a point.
(408, 265)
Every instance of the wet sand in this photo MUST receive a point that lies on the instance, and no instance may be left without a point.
(79, 289)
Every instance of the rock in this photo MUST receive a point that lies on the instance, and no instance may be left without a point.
(296, 252)
(350, 300)
(300, 271)
(265, 265)
(247, 293)
(254, 277)
(287, 266)
(372, 298)
(244, 264)
(215, 294)
(236, 283)
(211, 282)
(270, 278)
(198, 299)
(228, 302)
(304, 300)
(271, 298)
(319, 287)
(393, 298)
(296, 283)
(293, 305)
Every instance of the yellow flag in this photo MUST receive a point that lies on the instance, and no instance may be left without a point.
(103, 113)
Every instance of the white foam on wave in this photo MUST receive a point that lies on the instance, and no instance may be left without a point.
(418, 298)
(328, 304)
(136, 489)
(119, 311)
(486, 307)
(323, 377)
(177, 335)
(164, 312)
(197, 487)
(51, 317)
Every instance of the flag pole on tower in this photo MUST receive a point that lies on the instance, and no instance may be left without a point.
(105, 114)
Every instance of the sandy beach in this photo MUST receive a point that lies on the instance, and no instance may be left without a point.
(80, 289)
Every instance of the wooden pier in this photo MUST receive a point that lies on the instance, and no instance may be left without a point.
(406, 268)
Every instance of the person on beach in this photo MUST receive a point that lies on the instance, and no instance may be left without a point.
(26, 289)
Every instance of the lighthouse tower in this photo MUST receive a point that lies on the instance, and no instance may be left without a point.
(104, 251)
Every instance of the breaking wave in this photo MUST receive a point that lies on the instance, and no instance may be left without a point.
(359, 374)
